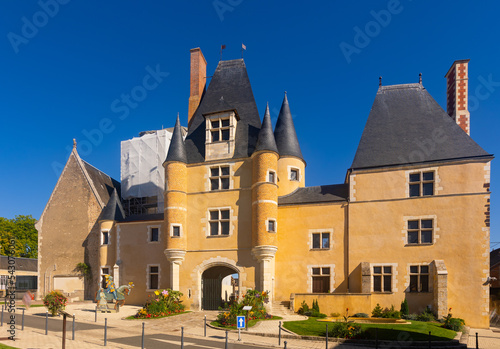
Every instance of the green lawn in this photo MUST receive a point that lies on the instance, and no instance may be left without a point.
(251, 323)
(417, 331)
(2, 346)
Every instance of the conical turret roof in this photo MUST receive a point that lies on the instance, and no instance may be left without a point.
(113, 211)
(266, 139)
(177, 149)
(284, 133)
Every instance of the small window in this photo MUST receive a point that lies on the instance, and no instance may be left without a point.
(154, 234)
(105, 238)
(219, 177)
(220, 130)
(421, 184)
(321, 240)
(154, 273)
(176, 231)
(382, 279)
(271, 226)
(294, 174)
(420, 231)
(419, 278)
(272, 177)
(219, 222)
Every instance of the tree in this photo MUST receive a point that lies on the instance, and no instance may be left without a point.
(21, 230)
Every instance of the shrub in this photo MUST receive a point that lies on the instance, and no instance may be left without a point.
(315, 306)
(455, 324)
(55, 301)
(405, 310)
(410, 317)
(304, 308)
(254, 298)
(364, 315)
(163, 303)
(334, 314)
(426, 315)
(343, 329)
(377, 311)
(314, 313)
(391, 313)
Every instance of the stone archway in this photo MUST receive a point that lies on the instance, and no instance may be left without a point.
(205, 274)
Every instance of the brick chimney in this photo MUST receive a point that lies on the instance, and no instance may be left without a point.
(198, 80)
(457, 93)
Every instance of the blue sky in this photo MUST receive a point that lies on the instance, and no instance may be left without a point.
(64, 66)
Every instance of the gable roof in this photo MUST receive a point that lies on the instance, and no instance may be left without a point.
(407, 126)
(284, 132)
(229, 89)
(102, 184)
(322, 193)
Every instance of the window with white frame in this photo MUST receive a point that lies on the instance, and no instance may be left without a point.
(420, 231)
(105, 237)
(320, 279)
(153, 277)
(220, 129)
(271, 176)
(219, 222)
(176, 230)
(419, 278)
(154, 234)
(294, 174)
(271, 226)
(320, 241)
(219, 177)
(421, 183)
(382, 278)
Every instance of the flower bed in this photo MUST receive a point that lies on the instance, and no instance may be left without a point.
(162, 303)
(253, 298)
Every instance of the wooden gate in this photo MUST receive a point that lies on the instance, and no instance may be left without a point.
(212, 289)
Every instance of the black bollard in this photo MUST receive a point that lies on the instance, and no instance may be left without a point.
(46, 323)
(429, 339)
(182, 337)
(326, 336)
(285, 344)
(105, 331)
(477, 341)
(225, 346)
(279, 334)
(22, 321)
(73, 329)
(142, 340)
(205, 327)
(2, 315)
(96, 313)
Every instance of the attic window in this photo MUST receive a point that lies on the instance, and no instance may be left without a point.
(220, 129)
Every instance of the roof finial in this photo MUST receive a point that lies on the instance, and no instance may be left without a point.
(285, 93)
(74, 143)
(379, 81)
(420, 78)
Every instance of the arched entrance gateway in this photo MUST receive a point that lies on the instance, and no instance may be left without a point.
(213, 293)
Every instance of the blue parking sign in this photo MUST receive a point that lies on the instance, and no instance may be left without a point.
(240, 321)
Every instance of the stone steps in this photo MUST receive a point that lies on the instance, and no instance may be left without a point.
(280, 308)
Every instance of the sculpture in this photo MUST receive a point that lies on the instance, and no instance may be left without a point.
(110, 293)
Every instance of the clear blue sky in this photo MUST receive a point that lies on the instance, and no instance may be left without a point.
(63, 68)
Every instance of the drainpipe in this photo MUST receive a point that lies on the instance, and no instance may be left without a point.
(347, 230)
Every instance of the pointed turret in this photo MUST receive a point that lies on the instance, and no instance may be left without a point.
(177, 149)
(113, 210)
(266, 139)
(284, 133)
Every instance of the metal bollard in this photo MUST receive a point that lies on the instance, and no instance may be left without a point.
(2, 315)
(142, 340)
(96, 313)
(279, 334)
(22, 321)
(285, 344)
(73, 329)
(205, 327)
(429, 339)
(105, 331)
(46, 323)
(326, 336)
(477, 341)
(182, 337)
(225, 346)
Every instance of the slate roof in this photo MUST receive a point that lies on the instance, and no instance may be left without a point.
(266, 140)
(322, 193)
(284, 132)
(103, 183)
(177, 149)
(113, 211)
(494, 257)
(229, 82)
(407, 126)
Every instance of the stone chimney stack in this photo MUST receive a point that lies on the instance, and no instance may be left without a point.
(457, 93)
(198, 80)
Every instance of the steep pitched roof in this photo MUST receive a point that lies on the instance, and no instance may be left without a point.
(231, 84)
(405, 126)
(266, 139)
(177, 149)
(101, 182)
(322, 193)
(113, 210)
(284, 133)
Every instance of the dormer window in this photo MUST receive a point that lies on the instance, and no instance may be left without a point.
(220, 134)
